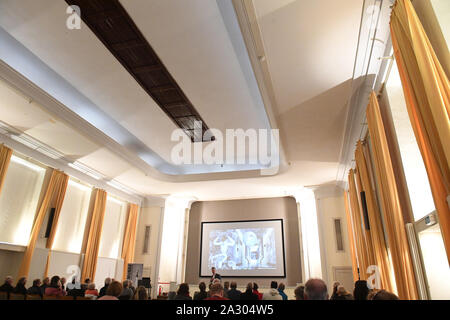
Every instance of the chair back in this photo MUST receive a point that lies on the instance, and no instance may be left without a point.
(50, 298)
(16, 296)
(83, 298)
(33, 297)
(67, 298)
(3, 296)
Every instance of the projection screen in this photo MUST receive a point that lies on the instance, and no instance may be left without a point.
(243, 248)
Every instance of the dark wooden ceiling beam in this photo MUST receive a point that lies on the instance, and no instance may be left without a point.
(114, 27)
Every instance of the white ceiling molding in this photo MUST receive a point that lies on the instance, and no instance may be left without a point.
(372, 42)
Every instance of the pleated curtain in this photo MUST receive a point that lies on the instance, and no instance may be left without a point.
(427, 93)
(5, 158)
(390, 202)
(129, 238)
(53, 198)
(376, 226)
(361, 247)
(351, 238)
(94, 236)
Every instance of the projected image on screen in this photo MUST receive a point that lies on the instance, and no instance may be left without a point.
(251, 248)
(242, 249)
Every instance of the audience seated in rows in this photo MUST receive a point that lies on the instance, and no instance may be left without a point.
(314, 289)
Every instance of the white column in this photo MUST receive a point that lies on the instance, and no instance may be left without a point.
(173, 239)
(309, 233)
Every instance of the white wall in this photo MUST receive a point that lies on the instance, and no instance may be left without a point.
(330, 205)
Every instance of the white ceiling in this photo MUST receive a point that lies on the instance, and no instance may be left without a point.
(310, 48)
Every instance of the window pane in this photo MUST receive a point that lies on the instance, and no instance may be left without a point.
(112, 231)
(415, 173)
(72, 219)
(19, 200)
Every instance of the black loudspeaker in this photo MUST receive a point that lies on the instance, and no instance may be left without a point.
(365, 213)
(51, 216)
(145, 282)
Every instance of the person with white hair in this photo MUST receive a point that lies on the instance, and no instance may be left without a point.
(7, 286)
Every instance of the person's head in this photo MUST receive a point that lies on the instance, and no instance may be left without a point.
(9, 280)
(36, 282)
(114, 289)
(213, 270)
(273, 285)
(63, 281)
(125, 284)
(361, 290)
(299, 293)
(340, 291)
(315, 289)
(216, 281)
(384, 295)
(233, 285)
(216, 290)
(107, 281)
(87, 281)
(249, 286)
(91, 286)
(281, 287)
(130, 283)
(46, 281)
(22, 281)
(55, 282)
(183, 289)
(202, 286)
(255, 286)
(141, 293)
(226, 285)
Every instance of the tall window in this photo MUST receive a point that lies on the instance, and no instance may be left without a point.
(19, 200)
(113, 225)
(72, 219)
(415, 173)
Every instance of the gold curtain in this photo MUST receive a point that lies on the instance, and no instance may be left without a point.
(5, 158)
(392, 211)
(94, 236)
(427, 92)
(351, 238)
(129, 238)
(376, 227)
(53, 197)
(361, 248)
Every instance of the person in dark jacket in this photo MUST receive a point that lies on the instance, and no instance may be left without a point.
(103, 290)
(233, 293)
(35, 288)
(248, 294)
(342, 294)
(183, 292)
(7, 286)
(361, 290)
(20, 286)
(202, 294)
(45, 285)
